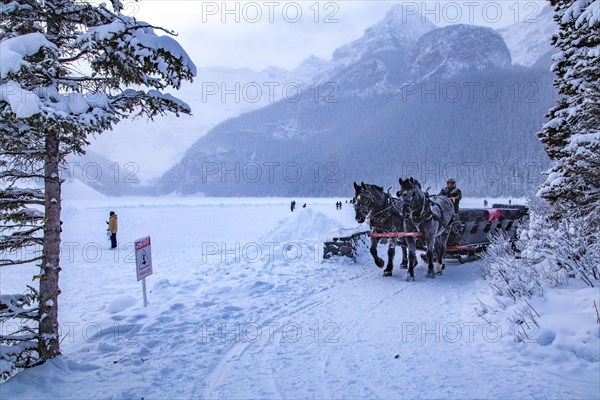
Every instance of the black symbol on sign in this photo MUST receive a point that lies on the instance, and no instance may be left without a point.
(145, 262)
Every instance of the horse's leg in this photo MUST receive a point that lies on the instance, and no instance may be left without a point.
(404, 264)
(412, 259)
(430, 244)
(391, 254)
(440, 245)
(430, 240)
(378, 260)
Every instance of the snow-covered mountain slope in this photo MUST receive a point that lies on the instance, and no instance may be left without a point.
(312, 70)
(105, 176)
(377, 63)
(444, 52)
(217, 94)
(530, 40)
(380, 108)
(77, 190)
(397, 32)
(400, 48)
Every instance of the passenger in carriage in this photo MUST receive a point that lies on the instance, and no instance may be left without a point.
(453, 193)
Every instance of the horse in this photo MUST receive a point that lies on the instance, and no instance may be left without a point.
(429, 215)
(370, 201)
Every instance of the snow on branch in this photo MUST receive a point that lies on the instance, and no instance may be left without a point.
(150, 103)
(19, 349)
(582, 11)
(15, 50)
(21, 195)
(23, 103)
(132, 52)
(15, 304)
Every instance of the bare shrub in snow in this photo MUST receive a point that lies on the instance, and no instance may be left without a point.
(508, 275)
(548, 254)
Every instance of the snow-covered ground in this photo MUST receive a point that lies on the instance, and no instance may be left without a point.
(241, 306)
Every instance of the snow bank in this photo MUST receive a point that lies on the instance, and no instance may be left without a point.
(303, 224)
(120, 303)
(569, 333)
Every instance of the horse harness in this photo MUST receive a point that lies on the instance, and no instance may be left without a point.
(385, 212)
(425, 214)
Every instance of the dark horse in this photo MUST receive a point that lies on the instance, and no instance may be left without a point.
(372, 202)
(431, 216)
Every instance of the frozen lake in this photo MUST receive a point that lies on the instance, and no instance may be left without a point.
(241, 306)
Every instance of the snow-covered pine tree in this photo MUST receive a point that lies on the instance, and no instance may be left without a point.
(561, 242)
(70, 69)
(21, 225)
(572, 135)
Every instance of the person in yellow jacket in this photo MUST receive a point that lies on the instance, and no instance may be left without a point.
(113, 228)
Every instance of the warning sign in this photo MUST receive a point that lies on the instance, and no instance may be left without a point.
(143, 258)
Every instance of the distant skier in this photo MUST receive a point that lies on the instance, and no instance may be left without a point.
(113, 227)
(509, 202)
(304, 206)
(485, 203)
(293, 205)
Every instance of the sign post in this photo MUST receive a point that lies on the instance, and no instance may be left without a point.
(143, 262)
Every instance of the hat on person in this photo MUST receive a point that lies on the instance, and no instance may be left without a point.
(451, 181)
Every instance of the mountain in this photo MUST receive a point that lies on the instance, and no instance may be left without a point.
(384, 61)
(530, 40)
(378, 61)
(445, 52)
(104, 176)
(396, 33)
(312, 70)
(407, 99)
(218, 94)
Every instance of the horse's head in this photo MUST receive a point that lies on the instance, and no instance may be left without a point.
(366, 199)
(410, 195)
(361, 202)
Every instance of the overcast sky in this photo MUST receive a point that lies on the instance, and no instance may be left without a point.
(258, 34)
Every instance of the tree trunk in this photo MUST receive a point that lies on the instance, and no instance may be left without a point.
(49, 345)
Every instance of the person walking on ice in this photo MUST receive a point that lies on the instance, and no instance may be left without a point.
(113, 227)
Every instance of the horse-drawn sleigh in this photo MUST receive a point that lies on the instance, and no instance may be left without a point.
(416, 220)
